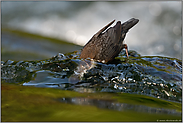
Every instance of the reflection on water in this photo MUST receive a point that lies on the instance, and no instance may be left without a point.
(46, 78)
(109, 104)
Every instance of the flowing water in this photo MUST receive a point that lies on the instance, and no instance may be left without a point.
(156, 76)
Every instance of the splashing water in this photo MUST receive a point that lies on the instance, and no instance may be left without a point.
(156, 76)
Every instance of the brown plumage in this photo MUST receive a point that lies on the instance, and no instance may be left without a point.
(105, 46)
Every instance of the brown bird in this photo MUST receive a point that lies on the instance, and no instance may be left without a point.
(105, 46)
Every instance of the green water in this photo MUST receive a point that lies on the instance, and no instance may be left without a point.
(64, 87)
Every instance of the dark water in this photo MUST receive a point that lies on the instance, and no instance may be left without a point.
(159, 31)
(156, 76)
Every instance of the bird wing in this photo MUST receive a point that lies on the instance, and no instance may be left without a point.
(91, 49)
(113, 43)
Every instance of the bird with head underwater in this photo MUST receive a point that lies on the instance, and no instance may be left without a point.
(104, 46)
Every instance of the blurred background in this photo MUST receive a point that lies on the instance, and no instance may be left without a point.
(39, 30)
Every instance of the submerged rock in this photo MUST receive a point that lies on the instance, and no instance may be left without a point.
(156, 76)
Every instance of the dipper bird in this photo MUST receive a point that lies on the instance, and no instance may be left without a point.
(104, 46)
